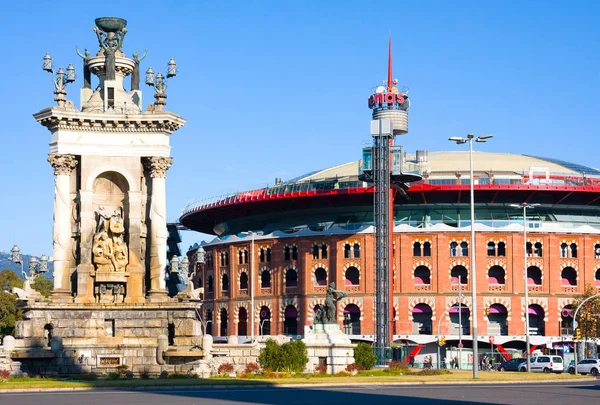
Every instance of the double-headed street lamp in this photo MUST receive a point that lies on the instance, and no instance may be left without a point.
(460, 140)
(35, 266)
(524, 207)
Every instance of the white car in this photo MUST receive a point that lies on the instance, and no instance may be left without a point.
(545, 364)
(586, 366)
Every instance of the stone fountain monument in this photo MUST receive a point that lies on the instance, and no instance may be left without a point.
(109, 306)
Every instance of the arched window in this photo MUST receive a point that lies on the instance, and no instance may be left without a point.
(262, 255)
(321, 276)
(352, 276)
(459, 274)
(421, 324)
(244, 281)
(246, 257)
(210, 284)
(324, 252)
(568, 277)
(534, 276)
(464, 249)
(242, 322)
(264, 323)
(223, 329)
(491, 249)
(294, 252)
(352, 320)
(240, 257)
(356, 251)
(456, 321)
(538, 249)
(426, 249)
(287, 253)
(347, 251)
(598, 278)
(566, 320)
(573, 250)
(265, 279)
(291, 278)
(225, 283)
(497, 320)
(268, 255)
(564, 249)
(453, 249)
(290, 323)
(496, 275)
(536, 320)
(529, 249)
(416, 249)
(501, 249)
(209, 317)
(422, 275)
(597, 251)
(315, 252)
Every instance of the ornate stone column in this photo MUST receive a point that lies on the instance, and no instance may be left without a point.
(157, 167)
(63, 166)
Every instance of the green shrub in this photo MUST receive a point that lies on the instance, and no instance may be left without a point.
(432, 371)
(271, 357)
(364, 356)
(290, 357)
(396, 366)
(112, 376)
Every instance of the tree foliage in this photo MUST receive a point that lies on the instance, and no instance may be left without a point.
(10, 279)
(364, 356)
(9, 312)
(587, 316)
(290, 357)
(43, 285)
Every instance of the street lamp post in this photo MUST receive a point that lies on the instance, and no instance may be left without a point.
(35, 266)
(575, 324)
(524, 206)
(460, 140)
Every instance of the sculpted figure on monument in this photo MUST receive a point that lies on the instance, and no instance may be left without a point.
(326, 313)
(110, 252)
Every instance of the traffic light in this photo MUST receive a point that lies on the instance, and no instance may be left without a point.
(442, 341)
(578, 334)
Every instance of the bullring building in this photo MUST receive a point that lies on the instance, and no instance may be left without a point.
(276, 249)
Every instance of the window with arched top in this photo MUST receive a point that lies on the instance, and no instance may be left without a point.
(459, 274)
(352, 320)
(246, 257)
(223, 328)
(464, 249)
(352, 276)
(265, 279)
(564, 250)
(538, 249)
(497, 320)
(597, 251)
(287, 253)
(491, 249)
(453, 249)
(244, 281)
(262, 255)
(290, 322)
(534, 276)
(356, 251)
(324, 252)
(294, 252)
(422, 275)
(529, 249)
(427, 249)
(597, 277)
(501, 249)
(573, 250)
(422, 319)
(242, 322)
(225, 283)
(321, 276)
(210, 284)
(496, 275)
(291, 278)
(315, 252)
(240, 257)
(417, 249)
(568, 277)
(347, 251)
(264, 321)
(536, 320)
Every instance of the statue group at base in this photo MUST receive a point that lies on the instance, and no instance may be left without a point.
(326, 344)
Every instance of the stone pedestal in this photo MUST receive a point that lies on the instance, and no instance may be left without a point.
(326, 344)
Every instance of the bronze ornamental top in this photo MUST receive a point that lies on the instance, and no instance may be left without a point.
(110, 24)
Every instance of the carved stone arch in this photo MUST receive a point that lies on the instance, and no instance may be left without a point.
(289, 245)
(496, 262)
(310, 313)
(420, 263)
(569, 242)
(347, 301)
(421, 240)
(314, 268)
(570, 263)
(541, 301)
(488, 301)
(290, 267)
(287, 302)
(459, 240)
(458, 262)
(265, 268)
(536, 262)
(352, 264)
(464, 301)
(236, 310)
(563, 302)
(415, 300)
(259, 305)
(351, 242)
(217, 313)
(89, 184)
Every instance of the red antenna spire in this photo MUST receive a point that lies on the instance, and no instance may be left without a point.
(389, 80)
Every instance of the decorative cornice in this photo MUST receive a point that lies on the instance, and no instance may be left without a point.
(158, 165)
(60, 119)
(62, 164)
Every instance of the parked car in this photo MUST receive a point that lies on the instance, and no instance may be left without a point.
(591, 366)
(512, 364)
(544, 364)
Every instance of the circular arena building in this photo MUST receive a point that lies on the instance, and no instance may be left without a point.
(277, 248)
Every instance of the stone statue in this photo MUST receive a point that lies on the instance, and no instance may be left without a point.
(87, 77)
(110, 252)
(135, 75)
(111, 43)
(326, 313)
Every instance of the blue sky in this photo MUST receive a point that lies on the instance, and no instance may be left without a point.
(277, 89)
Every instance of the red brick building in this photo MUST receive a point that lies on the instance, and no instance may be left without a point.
(318, 229)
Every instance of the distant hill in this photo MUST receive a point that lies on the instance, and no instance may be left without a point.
(5, 263)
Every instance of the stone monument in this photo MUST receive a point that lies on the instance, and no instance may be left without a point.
(326, 344)
(109, 306)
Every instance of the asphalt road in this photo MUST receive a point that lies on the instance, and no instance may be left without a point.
(547, 394)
